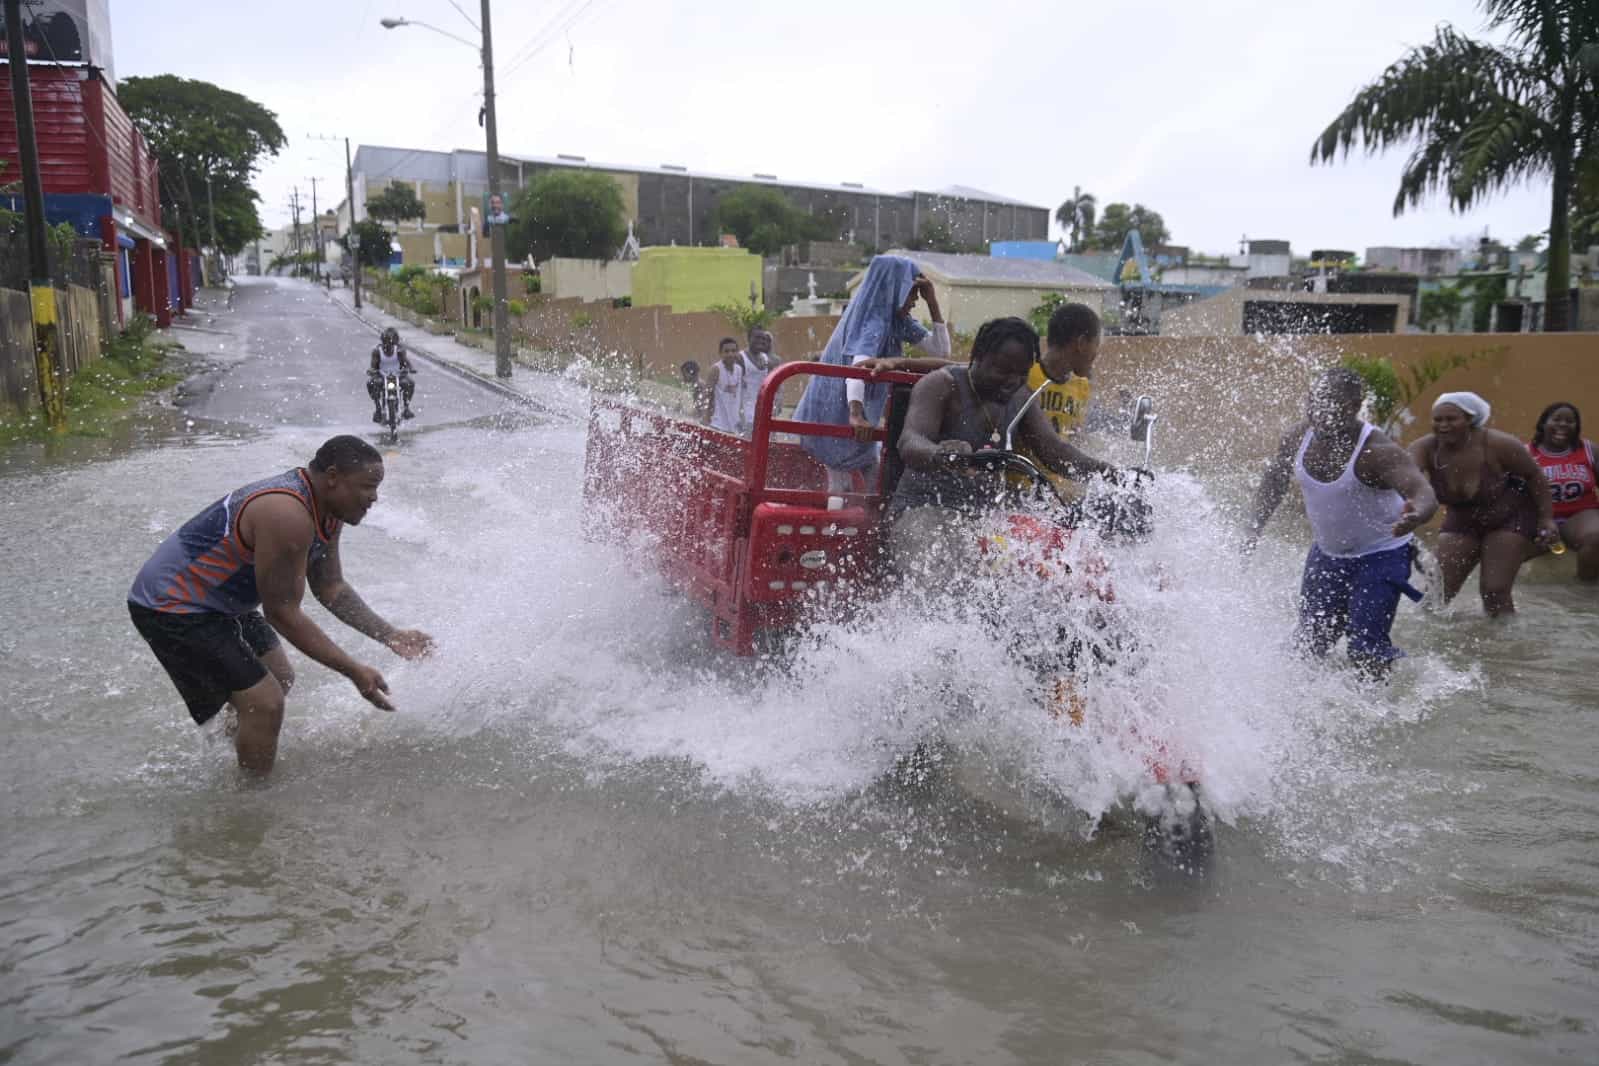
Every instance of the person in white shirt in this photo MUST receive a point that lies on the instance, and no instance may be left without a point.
(875, 325)
(724, 390)
(758, 361)
(1364, 495)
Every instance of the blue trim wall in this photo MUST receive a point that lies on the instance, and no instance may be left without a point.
(82, 210)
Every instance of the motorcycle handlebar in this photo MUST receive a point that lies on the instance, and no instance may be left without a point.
(998, 459)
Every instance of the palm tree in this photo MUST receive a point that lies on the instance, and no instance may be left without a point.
(1482, 117)
(1076, 216)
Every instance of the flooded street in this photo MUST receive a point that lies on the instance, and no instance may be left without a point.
(583, 837)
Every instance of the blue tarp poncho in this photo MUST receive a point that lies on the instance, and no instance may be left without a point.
(871, 326)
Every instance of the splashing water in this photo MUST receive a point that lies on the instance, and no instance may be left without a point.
(578, 642)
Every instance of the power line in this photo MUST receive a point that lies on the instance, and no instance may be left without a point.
(561, 23)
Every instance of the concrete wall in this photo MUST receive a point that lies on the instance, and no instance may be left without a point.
(1223, 315)
(587, 279)
(19, 381)
(692, 279)
(653, 339)
(1225, 401)
(785, 284)
(966, 307)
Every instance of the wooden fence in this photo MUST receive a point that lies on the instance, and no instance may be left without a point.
(19, 384)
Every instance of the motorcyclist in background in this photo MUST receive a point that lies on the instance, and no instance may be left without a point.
(389, 358)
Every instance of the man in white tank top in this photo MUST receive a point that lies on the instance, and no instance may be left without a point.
(1364, 496)
(758, 362)
(724, 390)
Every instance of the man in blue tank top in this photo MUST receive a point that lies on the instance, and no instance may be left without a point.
(214, 596)
(1364, 496)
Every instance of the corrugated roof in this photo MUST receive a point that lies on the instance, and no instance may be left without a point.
(702, 175)
(382, 162)
(967, 192)
(983, 268)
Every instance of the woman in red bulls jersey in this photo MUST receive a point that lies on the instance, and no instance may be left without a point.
(1568, 462)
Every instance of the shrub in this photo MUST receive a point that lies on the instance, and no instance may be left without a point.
(745, 317)
(1392, 391)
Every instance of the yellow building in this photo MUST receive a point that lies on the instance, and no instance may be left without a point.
(693, 279)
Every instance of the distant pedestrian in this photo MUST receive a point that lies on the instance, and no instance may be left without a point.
(689, 376)
(1364, 496)
(723, 407)
(199, 600)
(758, 362)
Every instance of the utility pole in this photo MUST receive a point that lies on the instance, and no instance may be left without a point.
(316, 234)
(41, 292)
(295, 205)
(211, 209)
(355, 238)
(502, 326)
(497, 216)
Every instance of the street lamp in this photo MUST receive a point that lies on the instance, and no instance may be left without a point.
(502, 328)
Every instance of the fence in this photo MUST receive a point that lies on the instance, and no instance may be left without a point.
(19, 383)
(85, 283)
(74, 264)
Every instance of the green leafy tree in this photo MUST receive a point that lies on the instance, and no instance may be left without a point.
(1481, 118)
(936, 236)
(1486, 291)
(1039, 316)
(745, 317)
(196, 131)
(765, 222)
(1585, 205)
(1530, 242)
(1391, 391)
(1441, 306)
(570, 213)
(1076, 217)
(395, 204)
(1113, 225)
(374, 239)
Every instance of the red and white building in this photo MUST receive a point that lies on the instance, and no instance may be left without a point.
(100, 176)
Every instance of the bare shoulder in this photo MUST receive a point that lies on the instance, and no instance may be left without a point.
(935, 383)
(1504, 442)
(1380, 443)
(276, 518)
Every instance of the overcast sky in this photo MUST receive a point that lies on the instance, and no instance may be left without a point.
(1204, 112)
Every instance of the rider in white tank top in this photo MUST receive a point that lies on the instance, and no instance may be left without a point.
(1349, 517)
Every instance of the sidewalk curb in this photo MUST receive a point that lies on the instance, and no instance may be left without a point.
(463, 372)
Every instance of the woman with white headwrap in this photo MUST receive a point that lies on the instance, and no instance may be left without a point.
(1496, 499)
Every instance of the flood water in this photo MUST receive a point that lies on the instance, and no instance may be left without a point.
(585, 838)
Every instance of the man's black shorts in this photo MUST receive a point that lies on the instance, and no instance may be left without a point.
(207, 655)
